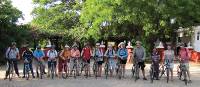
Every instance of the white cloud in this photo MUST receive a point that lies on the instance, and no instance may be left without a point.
(26, 6)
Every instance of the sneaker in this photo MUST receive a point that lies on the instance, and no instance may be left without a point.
(144, 78)
(33, 76)
(5, 78)
(189, 81)
(23, 77)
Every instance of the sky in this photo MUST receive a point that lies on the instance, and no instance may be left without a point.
(26, 7)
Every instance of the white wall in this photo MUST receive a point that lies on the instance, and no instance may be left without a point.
(196, 42)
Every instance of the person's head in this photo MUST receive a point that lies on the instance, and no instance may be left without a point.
(122, 45)
(13, 45)
(110, 46)
(138, 43)
(169, 47)
(53, 47)
(154, 50)
(67, 47)
(97, 45)
(38, 47)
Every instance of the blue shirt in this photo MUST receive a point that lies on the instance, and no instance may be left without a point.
(38, 54)
(122, 52)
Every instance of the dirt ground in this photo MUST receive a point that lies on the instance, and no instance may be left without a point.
(81, 81)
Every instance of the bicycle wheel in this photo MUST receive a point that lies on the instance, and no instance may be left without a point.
(133, 71)
(167, 75)
(41, 71)
(185, 77)
(10, 72)
(52, 71)
(136, 72)
(106, 70)
(151, 74)
(26, 72)
(119, 72)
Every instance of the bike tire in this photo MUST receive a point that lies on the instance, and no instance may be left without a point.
(167, 75)
(151, 75)
(52, 71)
(185, 78)
(133, 71)
(136, 73)
(106, 70)
(11, 72)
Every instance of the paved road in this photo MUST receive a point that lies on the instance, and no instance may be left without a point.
(101, 82)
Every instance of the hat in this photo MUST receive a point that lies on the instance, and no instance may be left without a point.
(67, 46)
(97, 44)
(75, 45)
(48, 45)
(53, 46)
(109, 45)
(138, 42)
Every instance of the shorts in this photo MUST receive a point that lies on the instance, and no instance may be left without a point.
(63, 64)
(100, 62)
(122, 61)
(141, 65)
(112, 63)
(86, 61)
(186, 65)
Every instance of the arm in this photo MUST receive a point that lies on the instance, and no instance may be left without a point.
(118, 53)
(48, 54)
(18, 55)
(106, 53)
(82, 52)
(61, 53)
(144, 55)
(126, 55)
(7, 52)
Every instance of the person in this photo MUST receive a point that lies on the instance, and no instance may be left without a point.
(110, 54)
(64, 60)
(122, 54)
(98, 55)
(39, 55)
(184, 58)
(52, 54)
(86, 55)
(169, 59)
(155, 57)
(139, 57)
(75, 55)
(28, 58)
(12, 55)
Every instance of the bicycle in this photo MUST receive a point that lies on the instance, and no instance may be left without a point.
(52, 69)
(66, 69)
(119, 69)
(106, 68)
(41, 68)
(75, 67)
(135, 71)
(27, 69)
(95, 68)
(165, 68)
(152, 72)
(11, 69)
(183, 71)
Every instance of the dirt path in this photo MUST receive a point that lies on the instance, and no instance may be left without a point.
(101, 82)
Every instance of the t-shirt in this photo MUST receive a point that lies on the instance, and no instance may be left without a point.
(52, 54)
(12, 53)
(66, 54)
(122, 52)
(86, 53)
(183, 53)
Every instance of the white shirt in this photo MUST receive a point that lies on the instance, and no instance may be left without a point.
(52, 54)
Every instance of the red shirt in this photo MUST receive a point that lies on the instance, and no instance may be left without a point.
(86, 53)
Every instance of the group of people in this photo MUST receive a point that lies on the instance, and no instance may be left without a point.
(65, 58)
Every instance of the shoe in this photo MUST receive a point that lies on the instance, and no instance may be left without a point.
(144, 78)
(157, 79)
(45, 73)
(48, 76)
(33, 76)
(5, 78)
(189, 81)
(23, 77)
